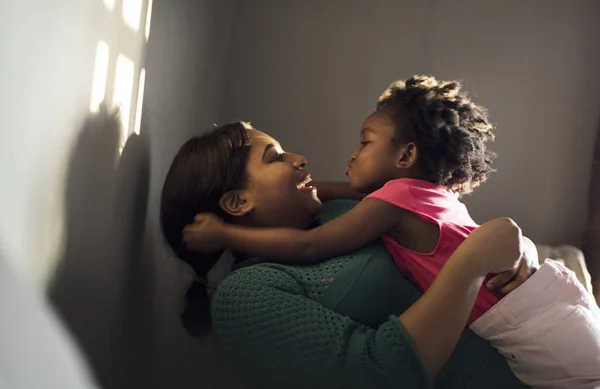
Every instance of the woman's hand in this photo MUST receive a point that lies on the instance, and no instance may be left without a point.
(508, 281)
(495, 247)
(206, 235)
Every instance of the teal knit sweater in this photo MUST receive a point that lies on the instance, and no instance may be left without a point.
(329, 326)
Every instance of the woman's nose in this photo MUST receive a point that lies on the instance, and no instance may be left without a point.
(353, 155)
(299, 161)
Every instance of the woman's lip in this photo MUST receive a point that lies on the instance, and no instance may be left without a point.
(307, 189)
(306, 179)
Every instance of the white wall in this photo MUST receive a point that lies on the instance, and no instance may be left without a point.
(48, 51)
(187, 61)
(309, 72)
(68, 214)
(128, 319)
(46, 73)
(80, 218)
(36, 351)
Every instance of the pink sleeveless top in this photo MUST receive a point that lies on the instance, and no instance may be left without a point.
(439, 206)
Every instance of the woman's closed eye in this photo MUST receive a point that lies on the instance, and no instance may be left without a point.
(279, 157)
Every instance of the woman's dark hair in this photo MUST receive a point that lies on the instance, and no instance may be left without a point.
(205, 168)
(450, 131)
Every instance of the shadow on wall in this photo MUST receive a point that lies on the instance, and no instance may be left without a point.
(102, 288)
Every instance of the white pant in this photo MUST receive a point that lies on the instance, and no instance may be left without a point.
(548, 329)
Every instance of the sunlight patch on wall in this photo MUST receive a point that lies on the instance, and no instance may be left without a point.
(140, 102)
(122, 92)
(110, 4)
(148, 19)
(132, 13)
(100, 74)
(118, 67)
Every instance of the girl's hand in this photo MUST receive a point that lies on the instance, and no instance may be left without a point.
(206, 235)
(508, 281)
(494, 247)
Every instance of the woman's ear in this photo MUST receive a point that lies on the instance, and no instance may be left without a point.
(236, 203)
(407, 156)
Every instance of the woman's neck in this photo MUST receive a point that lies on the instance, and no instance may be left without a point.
(241, 257)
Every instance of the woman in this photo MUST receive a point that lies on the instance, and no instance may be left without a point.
(328, 324)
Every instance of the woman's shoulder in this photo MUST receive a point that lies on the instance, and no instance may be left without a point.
(343, 283)
(327, 282)
(259, 276)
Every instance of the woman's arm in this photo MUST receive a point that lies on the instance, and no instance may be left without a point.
(335, 190)
(449, 300)
(277, 336)
(494, 247)
(367, 221)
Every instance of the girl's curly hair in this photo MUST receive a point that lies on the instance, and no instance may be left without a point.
(450, 131)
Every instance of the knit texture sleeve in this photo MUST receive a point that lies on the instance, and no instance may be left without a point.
(278, 337)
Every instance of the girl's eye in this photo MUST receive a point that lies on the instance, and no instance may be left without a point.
(364, 143)
(278, 158)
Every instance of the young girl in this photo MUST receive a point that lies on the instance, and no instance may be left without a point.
(423, 147)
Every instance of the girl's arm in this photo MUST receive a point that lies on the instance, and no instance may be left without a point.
(334, 190)
(368, 220)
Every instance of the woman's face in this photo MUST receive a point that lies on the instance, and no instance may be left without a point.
(276, 186)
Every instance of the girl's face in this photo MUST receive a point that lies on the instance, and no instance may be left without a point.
(375, 162)
(276, 186)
